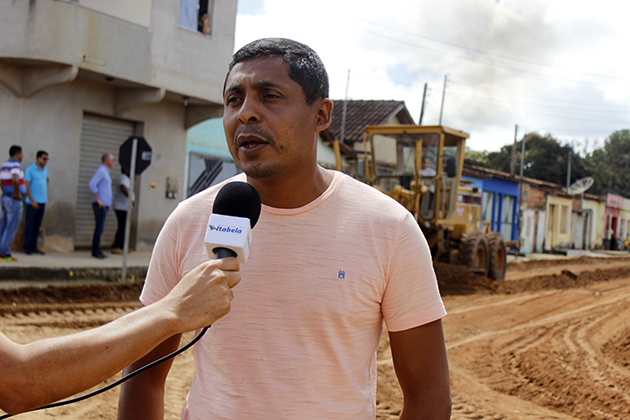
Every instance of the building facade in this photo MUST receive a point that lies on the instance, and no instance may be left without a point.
(613, 223)
(78, 77)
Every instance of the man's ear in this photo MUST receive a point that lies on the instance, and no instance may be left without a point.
(324, 114)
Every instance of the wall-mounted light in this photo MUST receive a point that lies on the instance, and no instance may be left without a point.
(185, 98)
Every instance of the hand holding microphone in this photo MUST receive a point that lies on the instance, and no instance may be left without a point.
(204, 294)
(235, 212)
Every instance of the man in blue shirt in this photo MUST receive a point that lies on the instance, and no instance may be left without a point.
(12, 179)
(101, 189)
(36, 179)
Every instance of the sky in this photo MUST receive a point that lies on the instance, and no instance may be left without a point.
(559, 67)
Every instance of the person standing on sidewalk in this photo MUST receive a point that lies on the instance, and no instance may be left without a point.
(101, 189)
(37, 180)
(121, 201)
(13, 188)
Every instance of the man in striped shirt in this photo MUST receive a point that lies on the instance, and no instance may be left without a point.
(13, 188)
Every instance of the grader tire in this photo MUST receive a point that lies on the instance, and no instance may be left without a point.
(497, 256)
(473, 252)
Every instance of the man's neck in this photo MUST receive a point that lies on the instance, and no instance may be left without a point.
(292, 192)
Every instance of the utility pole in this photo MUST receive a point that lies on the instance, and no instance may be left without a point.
(424, 97)
(519, 227)
(443, 94)
(513, 163)
(522, 155)
(345, 109)
(569, 169)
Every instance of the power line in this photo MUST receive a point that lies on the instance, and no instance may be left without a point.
(490, 54)
(552, 107)
(504, 105)
(539, 98)
(477, 61)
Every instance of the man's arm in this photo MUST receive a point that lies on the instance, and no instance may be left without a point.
(93, 184)
(98, 201)
(142, 397)
(421, 365)
(34, 203)
(16, 186)
(44, 371)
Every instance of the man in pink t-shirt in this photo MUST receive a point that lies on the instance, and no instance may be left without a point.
(331, 260)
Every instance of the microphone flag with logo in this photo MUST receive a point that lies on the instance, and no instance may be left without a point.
(235, 212)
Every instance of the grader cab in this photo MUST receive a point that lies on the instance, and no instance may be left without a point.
(421, 168)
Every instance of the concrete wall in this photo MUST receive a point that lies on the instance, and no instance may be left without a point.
(593, 206)
(136, 11)
(199, 62)
(165, 55)
(557, 235)
(51, 120)
(163, 129)
(61, 59)
(66, 33)
(600, 223)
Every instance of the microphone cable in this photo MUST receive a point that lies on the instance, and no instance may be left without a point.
(118, 382)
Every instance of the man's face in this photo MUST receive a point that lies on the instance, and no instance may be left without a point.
(42, 160)
(109, 162)
(18, 156)
(270, 129)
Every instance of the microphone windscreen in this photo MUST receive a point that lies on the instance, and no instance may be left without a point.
(238, 199)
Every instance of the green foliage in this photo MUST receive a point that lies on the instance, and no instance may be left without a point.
(480, 158)
(547, 160)
(610, 165)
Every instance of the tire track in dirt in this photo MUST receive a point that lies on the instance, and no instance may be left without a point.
(529, 349)
(554, 359)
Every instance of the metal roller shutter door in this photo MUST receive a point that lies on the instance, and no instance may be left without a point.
(99, 135)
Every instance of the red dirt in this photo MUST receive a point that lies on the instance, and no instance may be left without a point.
(550, 342)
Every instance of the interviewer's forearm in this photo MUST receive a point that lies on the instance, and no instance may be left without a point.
(48, 370)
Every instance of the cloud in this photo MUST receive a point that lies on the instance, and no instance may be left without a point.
(555, 67)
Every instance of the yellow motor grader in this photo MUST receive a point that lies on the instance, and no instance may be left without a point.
(421, 168)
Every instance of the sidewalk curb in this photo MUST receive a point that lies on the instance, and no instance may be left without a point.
(71, 273)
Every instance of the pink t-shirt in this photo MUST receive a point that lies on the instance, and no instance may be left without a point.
(300, 341)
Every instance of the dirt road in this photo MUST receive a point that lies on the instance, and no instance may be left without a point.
(550, 342)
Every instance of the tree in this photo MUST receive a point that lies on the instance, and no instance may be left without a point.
(479, 157)
(545, 159)
(610, 165)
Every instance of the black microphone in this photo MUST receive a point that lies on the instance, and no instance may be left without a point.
(235, 212)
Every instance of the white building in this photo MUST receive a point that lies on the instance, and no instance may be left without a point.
(77, 77)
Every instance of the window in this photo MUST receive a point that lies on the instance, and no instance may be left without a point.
(487, 206)
(507, 217)
(508, 209)
(564, 219)
(196, 15)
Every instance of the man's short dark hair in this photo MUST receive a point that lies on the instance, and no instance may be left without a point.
(14, 150)
(305, 66)
(41, 153)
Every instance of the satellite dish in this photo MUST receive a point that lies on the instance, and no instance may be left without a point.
(581, 185)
